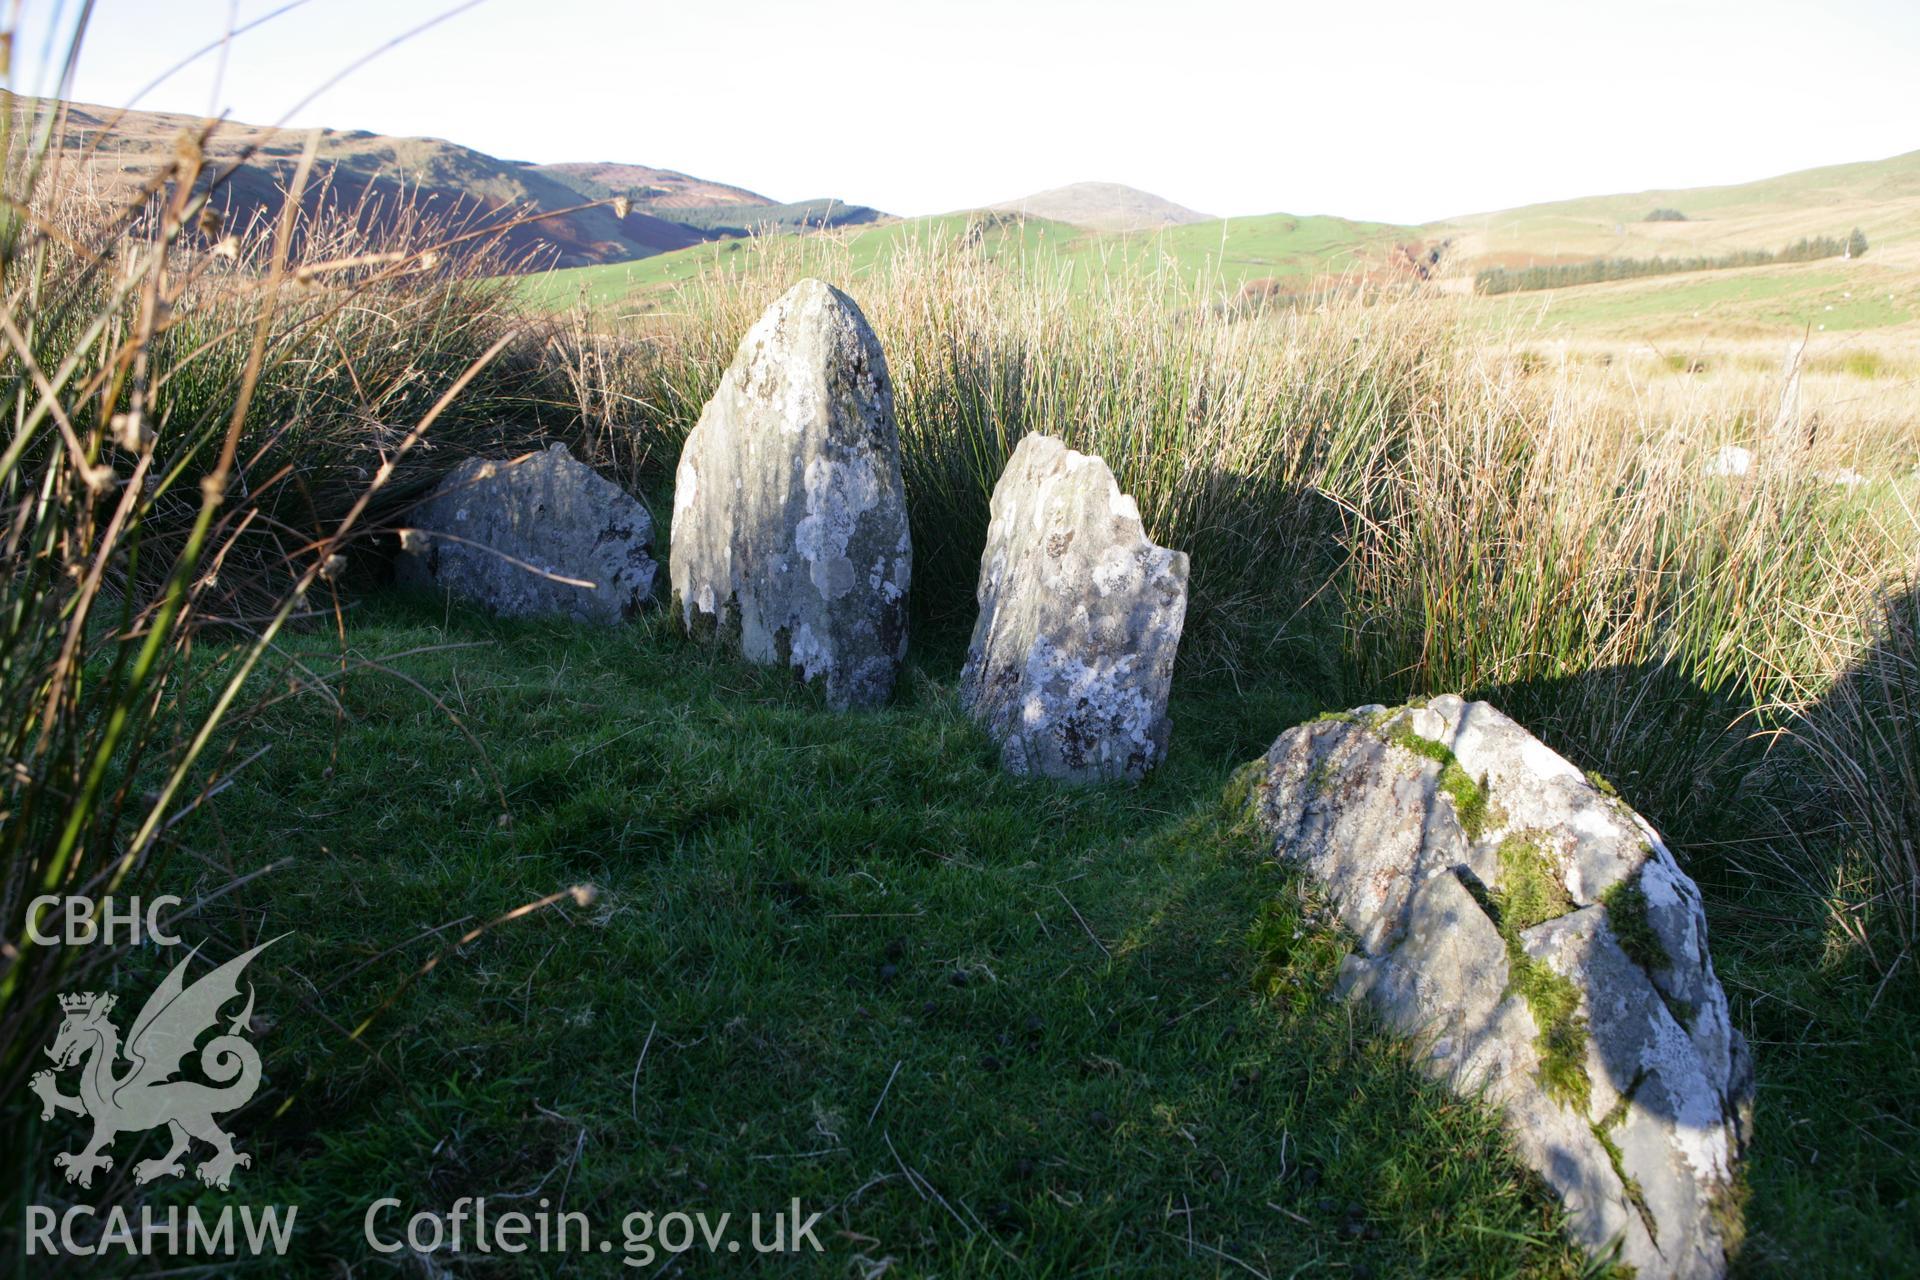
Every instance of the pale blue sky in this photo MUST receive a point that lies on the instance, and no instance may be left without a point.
(1390, 110)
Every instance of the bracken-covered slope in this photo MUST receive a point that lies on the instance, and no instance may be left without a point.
(377, 176)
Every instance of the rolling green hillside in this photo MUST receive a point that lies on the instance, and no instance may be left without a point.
(1279, 254)
(679, 226)
(1219, 258)
(1880, 291)
(1882, 197)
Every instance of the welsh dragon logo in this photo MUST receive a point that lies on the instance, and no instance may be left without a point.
(145, 1095)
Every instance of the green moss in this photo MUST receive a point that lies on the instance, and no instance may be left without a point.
(1469, 797)
(1602, 784)
(1728, 1207)
(1530, 892)
(1603, 1134)
(1555, 1004)
(1626, 905)
(1530, 888)
(1404, 736)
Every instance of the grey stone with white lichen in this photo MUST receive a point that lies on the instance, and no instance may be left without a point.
(1644, 1154)
(539, 534)
(789, 535)
(1080, 619)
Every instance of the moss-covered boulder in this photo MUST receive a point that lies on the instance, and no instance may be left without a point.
(1538, 941)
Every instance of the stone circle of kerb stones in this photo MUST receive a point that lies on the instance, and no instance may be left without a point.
(538, 534)
(1536, 940)
(789, 536)
(1080, 618)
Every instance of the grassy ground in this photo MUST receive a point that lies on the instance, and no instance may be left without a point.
(789, 904)
(825, 950)
(1221, 255)
(1812, 297)
(648, 284)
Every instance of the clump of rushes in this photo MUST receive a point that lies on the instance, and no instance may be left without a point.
(1370, 468)
(196, 434)
(1469, 797)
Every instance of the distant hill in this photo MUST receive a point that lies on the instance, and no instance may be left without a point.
(1102, 206)
(375, 175)
(657, 188)
(1882, 197)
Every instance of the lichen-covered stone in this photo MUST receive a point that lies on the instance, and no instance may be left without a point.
(538, 534)
(1549, 956)
(1080, 618)
(789, 515)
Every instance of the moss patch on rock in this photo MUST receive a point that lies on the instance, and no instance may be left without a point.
(1530, 892)
(1530, 887)
(1603, 1134)
(1555, 1004)
(1469, 797)
(1626, 905)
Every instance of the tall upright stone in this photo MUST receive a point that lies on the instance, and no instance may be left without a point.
(1080, 618)
(789, 535)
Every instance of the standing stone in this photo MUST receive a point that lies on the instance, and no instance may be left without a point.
(1080, 617)
(1537, 941)
(789, 515)
(539, 534)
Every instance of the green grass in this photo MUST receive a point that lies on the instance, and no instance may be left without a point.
(1105, 1006)
(1758, 298)
(1097, 1008)
(1213, 258)
(647, 284)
